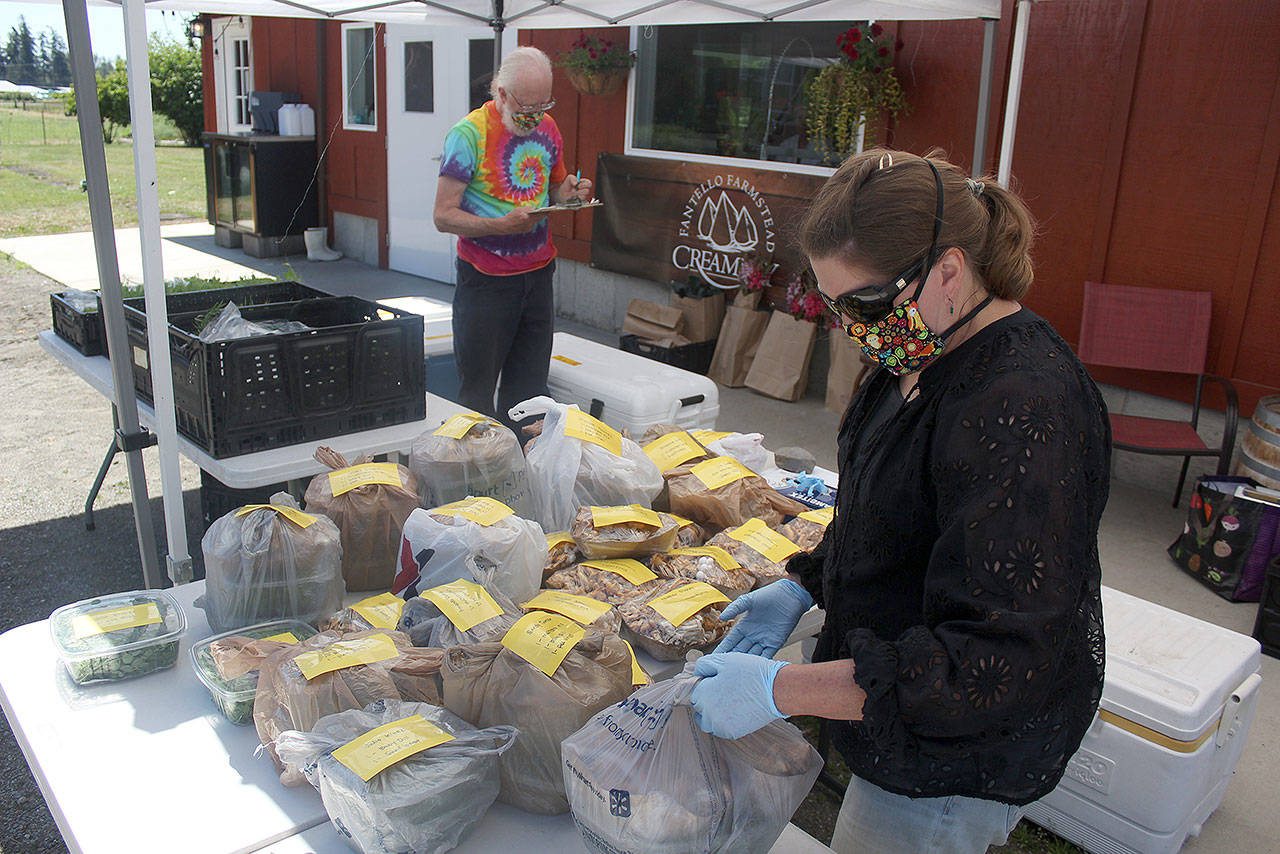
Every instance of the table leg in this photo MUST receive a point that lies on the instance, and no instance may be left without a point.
(102, 474)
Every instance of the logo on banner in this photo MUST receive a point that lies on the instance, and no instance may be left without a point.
(725, 219)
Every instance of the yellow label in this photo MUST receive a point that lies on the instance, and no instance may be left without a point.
(483, 510)
(822, 517)
(719, 555)
(768, 542)
(580, 425)
(297, 517)
(628, 567)
(604, 516)
(638, 676)
(671, 450)
(115, 619)
(465, 603)
(347, 479)
(584, 609)
(680, 520)
(715, 473)
(283, 637)
(556, 539)
(567, 360)
(381, 611)
(342, 654)
(706, 437)
(383, 747)
(685, 601)
(457, 426)
(543, 639)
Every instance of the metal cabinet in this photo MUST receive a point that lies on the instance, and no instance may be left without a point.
(261, 185)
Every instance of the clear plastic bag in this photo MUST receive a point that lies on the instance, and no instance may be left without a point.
(487, 460)
(229, 324)
(263, 566)
(435, 547)
(425, 802)
(369, 518)
(746, 448)
(691, 567)
(488, 684)
(655, 634)
(642, 778)
(567, 473)
(426, 625)
(730, 505)
(626, 539)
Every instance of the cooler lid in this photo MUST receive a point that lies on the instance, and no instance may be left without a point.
(647, 388)
(1167, 671)
(437, 322)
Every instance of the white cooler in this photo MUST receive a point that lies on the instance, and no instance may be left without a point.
(437, 342)
(628, 391)
(1176, 706)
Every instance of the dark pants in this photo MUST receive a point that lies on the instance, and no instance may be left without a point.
(502, 327)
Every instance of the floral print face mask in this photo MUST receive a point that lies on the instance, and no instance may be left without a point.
(901, 342)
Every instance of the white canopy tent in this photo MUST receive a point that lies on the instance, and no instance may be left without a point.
(498, 14)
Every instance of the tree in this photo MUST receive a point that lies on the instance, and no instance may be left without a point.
(176, 89)
(59, 63)
(21, 62)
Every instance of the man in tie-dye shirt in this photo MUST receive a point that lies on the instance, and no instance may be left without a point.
(499, 163)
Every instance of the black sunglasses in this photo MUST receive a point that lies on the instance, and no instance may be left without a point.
(867, 305)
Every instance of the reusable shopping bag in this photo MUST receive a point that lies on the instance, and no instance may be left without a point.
(1228, 538)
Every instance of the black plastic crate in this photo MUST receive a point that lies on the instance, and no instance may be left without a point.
(83, 330)
(217, 499)
(694, 357)
(361, 366)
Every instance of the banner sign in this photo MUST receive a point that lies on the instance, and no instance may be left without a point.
(667, 220)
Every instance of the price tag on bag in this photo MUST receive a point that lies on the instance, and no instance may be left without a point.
(283, 637)
(297, 517)
(380, 748)
(484, 510)
(602, 517)
(821, 517)
(717, 472)
(557, 538)
(115, 619)
(580, 425)
(627, 567)
(768, 542)
(459, 425)
(582, 609)
(365, 474)
(543, 639)
(685, 601)
(671, 450)
(343, 654)
(381, 611)
(465, 603)
(638, 676)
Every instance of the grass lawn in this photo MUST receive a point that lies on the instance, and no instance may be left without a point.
(40, 182)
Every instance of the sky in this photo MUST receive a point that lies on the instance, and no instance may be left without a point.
(106, 25)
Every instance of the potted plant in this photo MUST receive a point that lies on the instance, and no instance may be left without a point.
(853, 93)
(597, 66)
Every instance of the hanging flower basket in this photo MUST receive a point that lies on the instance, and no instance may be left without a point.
(604, 82)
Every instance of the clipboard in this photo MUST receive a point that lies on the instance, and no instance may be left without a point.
(594, 203)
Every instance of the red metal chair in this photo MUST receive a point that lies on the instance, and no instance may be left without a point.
(1156, 330)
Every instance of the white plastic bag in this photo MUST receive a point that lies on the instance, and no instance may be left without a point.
(264, 565)
(229, 324)
(642, 777)
(567, 472)
(435, 547)
(425, 802)
(487, 460)
(746, 448)
(426, 625)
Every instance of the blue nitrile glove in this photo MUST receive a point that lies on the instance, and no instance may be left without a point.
(735, 695)
(771, 614)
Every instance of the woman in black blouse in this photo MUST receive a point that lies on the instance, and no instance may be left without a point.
(962, 657)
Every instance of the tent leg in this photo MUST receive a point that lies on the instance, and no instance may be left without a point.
(498, 26)
(984, 97)
(104, 243)
(1016, 61)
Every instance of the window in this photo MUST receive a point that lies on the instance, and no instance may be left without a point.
(360, 107)
(241, 82)
(480, 67)
(728, 90)
(419, 78)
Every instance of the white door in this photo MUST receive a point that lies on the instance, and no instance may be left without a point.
(432, 73)
(233, 74)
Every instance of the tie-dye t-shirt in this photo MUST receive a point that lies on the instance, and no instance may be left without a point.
(502, 170)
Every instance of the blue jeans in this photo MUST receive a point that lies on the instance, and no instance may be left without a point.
(502, 328)
(873, 821)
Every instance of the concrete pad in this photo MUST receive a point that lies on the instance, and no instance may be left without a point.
(70, 259)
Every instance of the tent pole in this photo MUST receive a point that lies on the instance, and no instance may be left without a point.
(1016, 61)
(148, 195)
(129, 435)
(984, 97)
(498, 25)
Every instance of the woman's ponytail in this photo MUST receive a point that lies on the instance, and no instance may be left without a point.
(1005, 258)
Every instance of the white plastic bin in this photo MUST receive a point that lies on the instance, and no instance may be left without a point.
(1176, 707)
(628, 391)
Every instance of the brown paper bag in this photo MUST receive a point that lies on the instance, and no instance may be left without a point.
(781, 366)
(653, 322)
(739, 337)
(848, 369)
(702, 316)
(748, 299)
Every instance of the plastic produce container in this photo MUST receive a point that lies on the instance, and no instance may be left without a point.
(234, 697)
(118, 636)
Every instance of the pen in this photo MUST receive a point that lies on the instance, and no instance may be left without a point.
(577, 179)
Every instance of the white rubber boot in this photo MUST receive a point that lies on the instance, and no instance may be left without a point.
(317, 240)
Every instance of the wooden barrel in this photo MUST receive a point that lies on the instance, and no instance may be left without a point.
(1260, 447)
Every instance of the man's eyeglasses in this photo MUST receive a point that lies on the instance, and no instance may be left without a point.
(528, 111)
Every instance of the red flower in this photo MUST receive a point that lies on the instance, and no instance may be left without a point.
(877, 69)
(853, 54)
(593, 53)
(855, 34)
(884, 51)
(876, 30)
